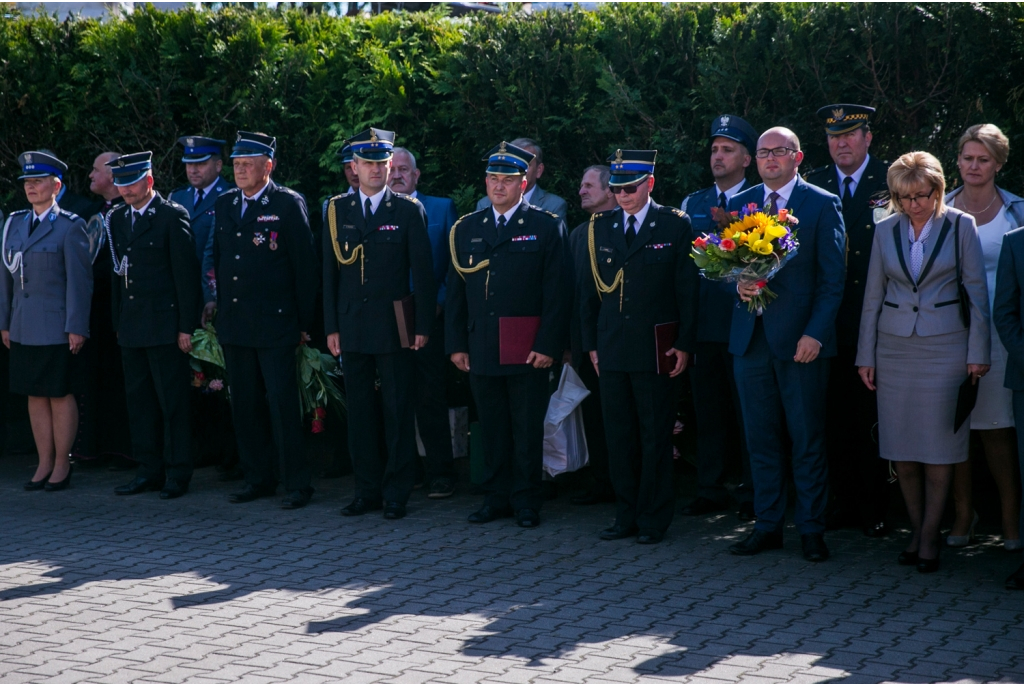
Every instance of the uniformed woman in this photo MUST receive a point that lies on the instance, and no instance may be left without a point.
(45, 296)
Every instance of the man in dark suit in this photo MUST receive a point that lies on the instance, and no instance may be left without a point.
(431, 363)
(595, 198)
(156, 307)
(266, 270)
(640, 277)
(534, 194)
(1008, 318)
(719, 443)
(780, 353)
(858, 479)
(375, 244)
(203, 165)
(509, 281)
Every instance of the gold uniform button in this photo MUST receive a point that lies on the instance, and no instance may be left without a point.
(131, 297)
(856, 282)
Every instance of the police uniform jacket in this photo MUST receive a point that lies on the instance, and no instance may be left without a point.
(359, 297)
(52, 295)
(201, 220)
(266, 268)
(659, 285)
(714, 315)
(529, 275)
(160, 295)
(859, 217)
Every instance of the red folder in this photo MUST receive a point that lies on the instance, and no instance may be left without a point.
(516, 335)
(405, 317)
(665, 335)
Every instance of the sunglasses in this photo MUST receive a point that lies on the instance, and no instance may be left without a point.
(628, 190)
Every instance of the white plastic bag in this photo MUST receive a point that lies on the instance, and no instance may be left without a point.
(565, 445)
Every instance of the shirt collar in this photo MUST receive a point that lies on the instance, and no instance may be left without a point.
(259, 193)
(784, 192)
(145, 206)
(509, 213)
(374, 199)
(415, 193)
(640, 216)
(529, 194)
(49, 210)
(729, 192)
(856, 174)
(208, 189)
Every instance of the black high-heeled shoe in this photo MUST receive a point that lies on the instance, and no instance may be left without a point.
(927, 565)
(38, 484)
(62, 485)
(908, 559)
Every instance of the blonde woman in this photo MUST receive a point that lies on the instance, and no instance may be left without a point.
(983, 150)
(915, 348)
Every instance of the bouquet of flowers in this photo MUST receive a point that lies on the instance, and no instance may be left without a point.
(749, 247)
(316, 385)
(207, 362)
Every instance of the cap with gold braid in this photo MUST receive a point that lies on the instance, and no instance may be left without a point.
(506, 159)
(373, 144)
(843, 118)
(631, 166)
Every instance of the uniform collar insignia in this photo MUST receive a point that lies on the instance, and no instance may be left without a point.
(264, 200)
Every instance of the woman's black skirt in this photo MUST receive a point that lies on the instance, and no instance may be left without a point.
(44, 370)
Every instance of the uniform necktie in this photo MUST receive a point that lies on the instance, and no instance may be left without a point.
(847, 183)
(199, 198)
(630, 230)
(501, 225)
(721, 200)
(245, 205)
(773, 201)
(34, 225)
(135, 217)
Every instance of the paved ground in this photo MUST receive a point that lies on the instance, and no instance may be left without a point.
(106, 589)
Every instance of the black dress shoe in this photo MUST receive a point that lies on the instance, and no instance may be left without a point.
(360, 506)
(701, 506)
(746, 512)
(31, 485)
(394, 511)
(618, 532)
(649, 537)
(1016, 579)
(173, 489)
(487, 513)
(527, 518)
(590, 498)
(814, 547)
(907, 559)
(250, 493)
(296, 499)
(927, 565)
(62, 485)
(879, 529)
(757, 541)
(139, 484)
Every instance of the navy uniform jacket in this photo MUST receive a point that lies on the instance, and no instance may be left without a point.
(1008, 308)
(265, 297)
(714, 316)
(660, 285)
(529, 275)
(809, 286)
(201, 220)
(55, 296)
(440, 217)
(162, 296)
(359, 297)
(859, 219)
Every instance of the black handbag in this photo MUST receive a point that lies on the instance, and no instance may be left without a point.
(965, 301)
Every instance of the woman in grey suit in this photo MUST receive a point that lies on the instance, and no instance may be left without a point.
(45, 297)
(914, 346)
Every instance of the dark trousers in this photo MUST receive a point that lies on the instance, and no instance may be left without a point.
(640, 404)
(432, 404)
(1018, 420)
(858, 479)
(777, 394)
(719, 442)
(267, 416)
(593, 429)
(156, 382)
(374, 480)
(511, 410)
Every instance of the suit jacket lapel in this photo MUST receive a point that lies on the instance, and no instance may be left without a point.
(488, 230)
(899, 229)
(936, 246)
(797, 197)
(44, 228)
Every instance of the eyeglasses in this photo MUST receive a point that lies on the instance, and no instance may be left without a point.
(919, 198)
(628, 190)
(765, 153)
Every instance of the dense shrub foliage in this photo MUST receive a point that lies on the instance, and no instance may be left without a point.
(581, 82)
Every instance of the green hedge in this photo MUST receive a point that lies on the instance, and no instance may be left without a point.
(582, 83)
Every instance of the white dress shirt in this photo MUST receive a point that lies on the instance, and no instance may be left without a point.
(509, 213)
(784, 193)
(374, 199)
(640, 216)
(729, 192)
(854, 177)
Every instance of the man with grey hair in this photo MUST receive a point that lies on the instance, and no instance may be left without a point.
(534, 194)
(430, 362)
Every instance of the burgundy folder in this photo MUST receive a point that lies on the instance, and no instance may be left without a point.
(665, 335)
(516, 335)
(405, 317)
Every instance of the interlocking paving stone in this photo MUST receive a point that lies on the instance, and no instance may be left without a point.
(97, 588)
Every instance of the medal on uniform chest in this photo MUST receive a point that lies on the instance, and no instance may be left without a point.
(273, 240)
(258, 239)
